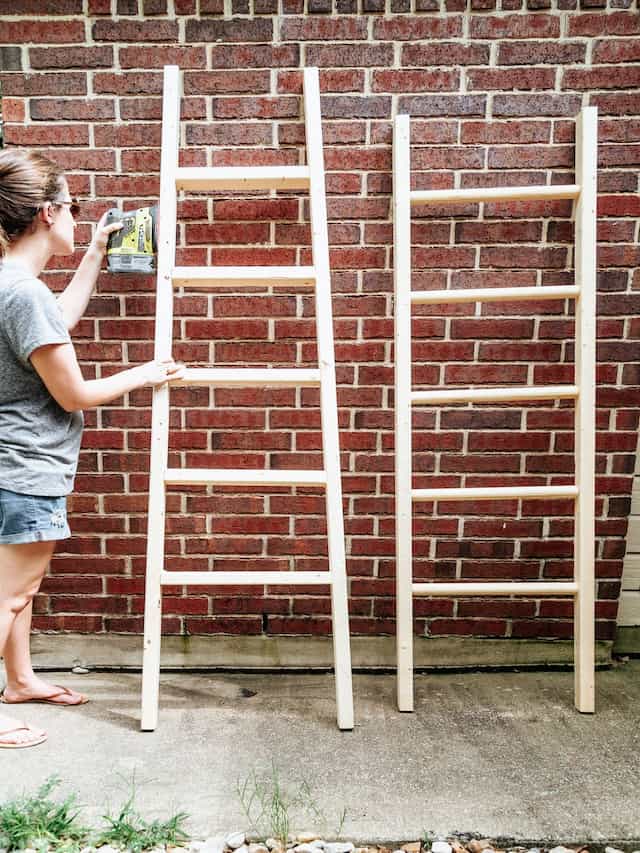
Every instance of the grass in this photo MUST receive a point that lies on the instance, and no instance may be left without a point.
(39, 822)
(274, 810)
(128, 829)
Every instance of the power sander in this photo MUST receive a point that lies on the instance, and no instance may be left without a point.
(133, 248)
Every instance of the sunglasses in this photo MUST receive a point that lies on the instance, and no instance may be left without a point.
(74, 206)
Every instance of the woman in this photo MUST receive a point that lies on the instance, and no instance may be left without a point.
(42, 394)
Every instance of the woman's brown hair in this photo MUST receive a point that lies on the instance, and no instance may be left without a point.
(27, 181)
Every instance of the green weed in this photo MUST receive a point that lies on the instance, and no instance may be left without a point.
(274, 810)
(127, 829)
(39, 822)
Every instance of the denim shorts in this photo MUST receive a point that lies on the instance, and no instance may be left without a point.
(32, 518)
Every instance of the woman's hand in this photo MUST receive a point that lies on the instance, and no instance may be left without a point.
(100, 238)
(159, 372)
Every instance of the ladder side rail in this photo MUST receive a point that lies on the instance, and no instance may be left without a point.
(160, 405)
(403, 438)
(328, 399)
(585, 349)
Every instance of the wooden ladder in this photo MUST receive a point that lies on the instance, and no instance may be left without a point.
(311, 177)
(581, 588)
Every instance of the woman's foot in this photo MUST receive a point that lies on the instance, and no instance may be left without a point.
(15, 734)
(37, 690)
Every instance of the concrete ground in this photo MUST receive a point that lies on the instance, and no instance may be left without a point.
(503, 755)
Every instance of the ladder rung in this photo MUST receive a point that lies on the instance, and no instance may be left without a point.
(243, 276)
(477, 194)
(244, 578)
(240, 377)
(486, 395)
(244, 476)
(473, 493)
(493, 294)
(242, 178)
(464, 589)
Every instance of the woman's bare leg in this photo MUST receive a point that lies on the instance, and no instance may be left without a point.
(22, 682)
(22, 568)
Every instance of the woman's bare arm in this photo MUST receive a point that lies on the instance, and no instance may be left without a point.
(58, 367)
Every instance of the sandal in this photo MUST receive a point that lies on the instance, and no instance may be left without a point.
(38, 737)
(52, 699)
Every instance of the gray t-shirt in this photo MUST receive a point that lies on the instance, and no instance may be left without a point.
(39, 440)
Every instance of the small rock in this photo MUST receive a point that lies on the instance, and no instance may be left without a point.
(319, 844)
(272, 842)
(339, 847)
(412, 847)
(305, 848)
(457, 847)
(258, 848)
(235, 840)
(306, 837)
(242, 849)
(560, 849)
(107, 848)
(476, 845)
(441, 847)
(213, 844)
(612, 850)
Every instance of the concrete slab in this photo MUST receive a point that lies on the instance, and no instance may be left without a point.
(503, 755)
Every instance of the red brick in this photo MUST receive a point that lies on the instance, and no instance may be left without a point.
(616, 51)
(136, 31)
(444, 53)
(160, 55)
(515, 26)
(417, 28)
(443, 105)
(541, 52)
(502, 79)
(320, 29)
(536, 105)
(349, 55)
(597, 23)
(70, 57)
(600, 77)
(43, 32)
(415, 81)
(222, 82)
(256, 30)
(88, 109)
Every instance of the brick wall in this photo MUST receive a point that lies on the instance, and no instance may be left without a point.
(493, 87)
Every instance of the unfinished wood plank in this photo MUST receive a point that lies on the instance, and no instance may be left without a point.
(204, 277)
(462, 590)
(493, 294)
(246, 578)
(328, 398)
(248, 377)
(482, 194)
(494, 493)
(491, 395)
(160, 404)
(402, 397)
(585, 372)
(203, 178)
(244, 477)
